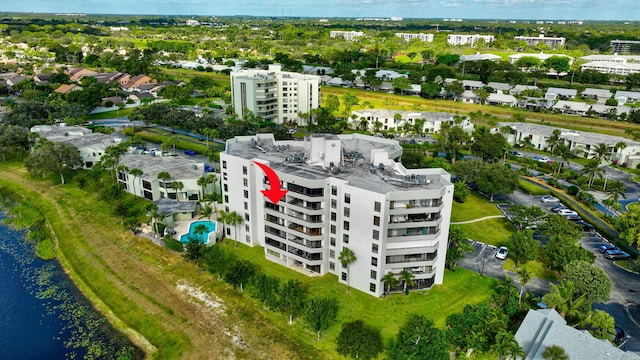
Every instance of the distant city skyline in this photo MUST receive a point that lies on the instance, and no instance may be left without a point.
(465, 9)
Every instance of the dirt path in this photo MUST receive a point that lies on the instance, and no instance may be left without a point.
(173, 295)
(476, 220)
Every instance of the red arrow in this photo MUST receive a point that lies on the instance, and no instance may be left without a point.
(275, 192)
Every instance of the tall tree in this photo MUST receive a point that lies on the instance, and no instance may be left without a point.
(292, 298)
(506, 346)
(554, 352)
(359, 341)
(458, 245)
(347, 257)
(321, 313)
(628, 226)
(524, 276)
(522, 247)
(239, 273)
(390, 281)
(419, 338)
(497, 179)
(53, 158)
(589, 280)
(406, 277)
(136, 173)
(601, 152)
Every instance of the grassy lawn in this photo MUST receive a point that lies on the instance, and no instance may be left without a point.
(532, 189)
(491, 231)
(537, 269)
(475, 206)
(111, 114)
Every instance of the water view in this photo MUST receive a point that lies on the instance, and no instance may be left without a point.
(43, 316)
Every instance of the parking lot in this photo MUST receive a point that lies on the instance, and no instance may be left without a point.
(624, 304)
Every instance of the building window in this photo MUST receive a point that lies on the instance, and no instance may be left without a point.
(226, 188)
(333, 241)
(374, 274)
(246, 227)
(246, 205)
(334, 203)
(333, 229)
(246, 194)
(376, 235)
(245, 182)
(345, 238)
(372, 287)
(345, 225)
(246, 217)
(224, 164)
(244, 170)
(374, 261)
(332, 266)
(347, 212)
(229, 231)
(248, 238)
(226, 198)
(347, 199)
(376, 206)
(374, 248)
(334, 190)
(333, 216)
(376, 220)
(344, 276)
(332, 254)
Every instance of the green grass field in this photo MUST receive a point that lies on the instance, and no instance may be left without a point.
(111, 114)
(475, 206)
(491, 231)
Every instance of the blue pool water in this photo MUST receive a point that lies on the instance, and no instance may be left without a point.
(210, 225)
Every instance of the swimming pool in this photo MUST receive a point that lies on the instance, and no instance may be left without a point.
(210, 225)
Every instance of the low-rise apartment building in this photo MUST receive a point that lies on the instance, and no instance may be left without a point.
(347, 35)
(397, 119)
(623, 46)
(552, 42)
(344, 191)
(471, 40)
(410, 36)
(581, 141)
(612, 67)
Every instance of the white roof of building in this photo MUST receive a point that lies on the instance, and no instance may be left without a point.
(614, 58)
(572, 105)
(468, 94)
(520, 88)
(583, 137)
(480, 57)
(543, 328)
(562, 91)
(502, 98)
(604, 109)
(177, 166)
(603, 93)
(473, 83)
(406, 114)
(499, 86)
(633, 95)
(613, 65)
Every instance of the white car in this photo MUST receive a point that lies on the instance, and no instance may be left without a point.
(567, 212)
(543, 159)
(549, 199)
(502, 253)
(291, 131)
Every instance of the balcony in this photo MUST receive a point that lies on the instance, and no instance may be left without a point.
(312, 219)
(305, 230)
(307, 243)
(413, 258)
(306, 206)
(276, 232)
(303, 254)
(276, 244)
(414, 218)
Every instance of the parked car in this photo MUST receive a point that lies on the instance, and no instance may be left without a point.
(502, 253)
(585, 225)
(566, 212)
(573, 217)
(558, 208)
(291, 131)
(189, 152)
(605, 248)
(616, 254)
(517, 153)
(544, 159)
(549, 199)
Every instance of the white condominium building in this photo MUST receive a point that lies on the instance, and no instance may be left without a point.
(273, 94)
(471, 40)
(611, 67)
(623, 46)
(389, 119)
(347, 35)
(344, 191)
(421, 37)
(535, 40)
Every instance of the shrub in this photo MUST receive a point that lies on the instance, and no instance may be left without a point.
(573, 190)
(634, 265)
(173, 244)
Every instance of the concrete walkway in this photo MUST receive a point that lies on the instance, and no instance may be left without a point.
(476, 220)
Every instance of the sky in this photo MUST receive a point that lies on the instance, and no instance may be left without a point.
(465, 9)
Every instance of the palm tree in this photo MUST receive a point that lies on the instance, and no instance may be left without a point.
(526, 144)
(203, 182)
(616, 191)
(406, 277)
(619, 146)
(554, 140)
(561, 298)
(346, 257)
(506, 346)
(164, 176)
(591, 170)
(223, 217)
(135, 172)
(206, 212)
(200, 229)
(177, 186)
(524, 276)
(210, 133)
(554, 352)
(602, 152)
(389, 281)
(234, 219)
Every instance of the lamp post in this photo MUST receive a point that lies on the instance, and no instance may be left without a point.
(604, 188)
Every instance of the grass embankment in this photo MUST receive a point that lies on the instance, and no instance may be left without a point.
(491, 231)
(475, 206)
(133, 282)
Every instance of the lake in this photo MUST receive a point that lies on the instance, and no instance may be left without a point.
(42, 313)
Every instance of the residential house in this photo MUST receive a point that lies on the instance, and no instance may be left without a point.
(571, 107)
(397, 119)
(137, 81)
(75, 74)
(480, 57)
(65, 88)
(42, 79)
(112, 100)
(500, 87)
(344, 191)
(610, 67)
(534, 103)
(625, 97)
(597, 94)
(470, 97)
(148, 186)
(91, 145)
(12, 81)
(580, 141)
(607, 111)
(544, 328)
(472, 84)
(612, 58)
(501, 99)
(555, 93)
(520, 88)
(109, 77)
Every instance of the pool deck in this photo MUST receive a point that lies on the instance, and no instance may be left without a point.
(182, 226)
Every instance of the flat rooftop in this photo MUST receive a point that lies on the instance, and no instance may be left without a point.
(288, 156)
(582, 137)
(177, 166)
